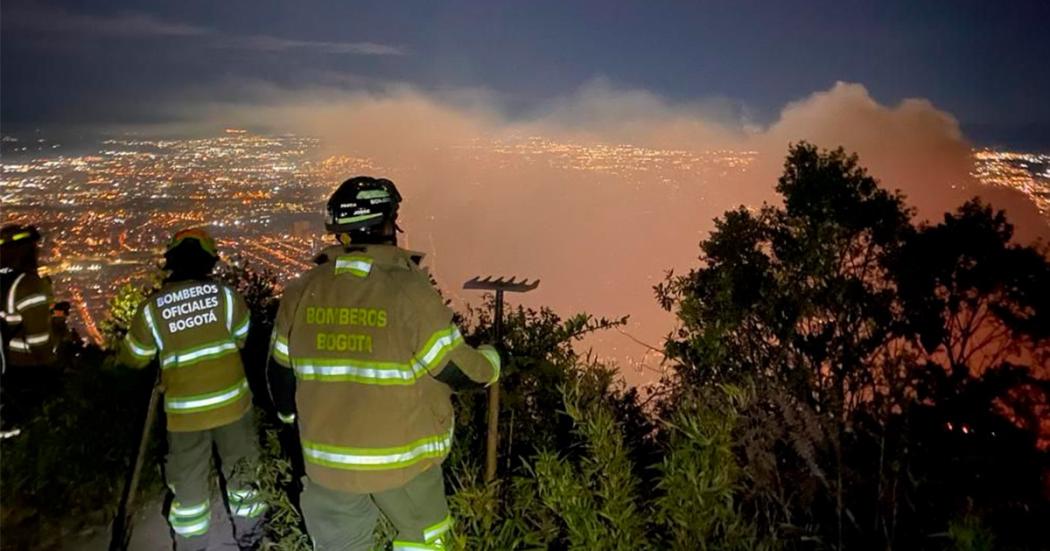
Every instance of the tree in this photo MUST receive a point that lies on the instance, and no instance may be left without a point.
(842, 313)
(974, 298)
(799, 299)
(979, 314)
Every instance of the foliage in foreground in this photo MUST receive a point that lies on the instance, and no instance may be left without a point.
(67, 469)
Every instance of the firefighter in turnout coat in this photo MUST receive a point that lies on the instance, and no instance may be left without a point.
(27, 303)
(29, 346)
(366, 356)
(196, 325)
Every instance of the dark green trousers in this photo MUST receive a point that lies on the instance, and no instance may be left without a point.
(339, 521)
(188, 471)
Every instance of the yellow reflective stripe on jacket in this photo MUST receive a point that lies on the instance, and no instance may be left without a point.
(37, 338)
(12, 292)
(280, 349)
(358, 265)
(206, 402)
(492, 356)
(216, 349)
(138, 349)
(242, 329)
(380, 373)
(148, 314)
(440, 344)
(11, 319)
(229, 308)
(377, 459)
(30, 301)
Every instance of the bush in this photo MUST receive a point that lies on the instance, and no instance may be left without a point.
(68, 468)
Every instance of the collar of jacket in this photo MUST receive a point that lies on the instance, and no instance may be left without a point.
(389, 255)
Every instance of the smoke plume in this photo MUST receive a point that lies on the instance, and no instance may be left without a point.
(600, 193)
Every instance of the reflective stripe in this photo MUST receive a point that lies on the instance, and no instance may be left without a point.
(440, 343)
(360, 218)
(205, 402)
(242, 329)
(360, 266)
(245, 503)
(180, 511)
(362, 372)
(249, 511)
(381, 373)
(286, 419)
(190, 521)
(148, 314)
(18, 344)
(437, 530)
(31, 300)
(280, 349)
(363, 459)
(195, 529)
(11, 294)
(229, 308)
(416, 546)
(192, 356)
(12, 319)
(241, 496)
(18, 237)
(138, 349)
(493, 357)
(38, 338)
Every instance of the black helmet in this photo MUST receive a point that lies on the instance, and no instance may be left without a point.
(15, 233)
(199, 236)
(361, 203)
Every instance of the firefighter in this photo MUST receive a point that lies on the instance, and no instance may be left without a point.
(196, 326)
(366, 356)
(27, 300)
(28, 350)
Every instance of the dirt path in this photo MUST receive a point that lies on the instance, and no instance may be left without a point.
(151, 532)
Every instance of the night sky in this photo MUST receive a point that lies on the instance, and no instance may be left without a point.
(111, 62)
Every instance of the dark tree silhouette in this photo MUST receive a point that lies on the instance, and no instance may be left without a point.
(869, 338)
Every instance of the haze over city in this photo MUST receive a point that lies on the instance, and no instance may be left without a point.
(592, 154)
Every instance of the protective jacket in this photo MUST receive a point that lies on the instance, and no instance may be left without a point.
(197, 329)
(376, 356)
(27, 320)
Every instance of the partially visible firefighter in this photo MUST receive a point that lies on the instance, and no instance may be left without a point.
(196, 326)
(67, 338)
(28, 343)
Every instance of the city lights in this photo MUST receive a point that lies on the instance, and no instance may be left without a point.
(106, 215)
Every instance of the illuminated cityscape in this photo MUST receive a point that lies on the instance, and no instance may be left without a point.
(106, 215)
(1025, 172)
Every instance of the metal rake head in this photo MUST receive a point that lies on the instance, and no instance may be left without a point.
(501, 284)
